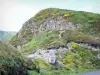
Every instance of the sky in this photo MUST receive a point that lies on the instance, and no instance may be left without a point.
(13, 13)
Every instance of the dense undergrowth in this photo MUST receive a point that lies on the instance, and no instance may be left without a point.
(11, 61)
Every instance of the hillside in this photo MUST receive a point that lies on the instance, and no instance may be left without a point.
(58, 19)
(6, 36)
(60, 41)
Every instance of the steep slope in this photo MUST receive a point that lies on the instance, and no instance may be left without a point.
(11, 62)
(60, 40)
(58, 19)
(6, 36)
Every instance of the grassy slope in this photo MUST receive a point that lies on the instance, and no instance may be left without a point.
(49, 39)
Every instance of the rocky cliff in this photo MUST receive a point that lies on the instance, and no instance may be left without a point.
(57, 19)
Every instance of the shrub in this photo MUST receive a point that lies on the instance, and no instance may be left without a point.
(67, 15)
(11, 62)
(39, 64)
(24, 33)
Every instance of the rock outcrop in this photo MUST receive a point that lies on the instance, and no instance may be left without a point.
(56, 19)
(31, 28)
(51, 55)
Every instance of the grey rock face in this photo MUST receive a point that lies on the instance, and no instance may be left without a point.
(89, 46)
(31, 28)
(56, 24)
(49, 56)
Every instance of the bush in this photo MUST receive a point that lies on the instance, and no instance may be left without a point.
(39, 64)
(11, 62)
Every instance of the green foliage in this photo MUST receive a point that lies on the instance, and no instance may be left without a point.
(44, 40)
(40, 64)
(33, 73)
(58, 72)
(49, 13)
(76, 35)
(49, 39)
(75, 46)
(11, 62)
(24, 33)
(89, 21)
(14, 40)
(77, 60)
(80, 58)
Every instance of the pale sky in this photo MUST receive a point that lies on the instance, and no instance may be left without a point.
(13, 13)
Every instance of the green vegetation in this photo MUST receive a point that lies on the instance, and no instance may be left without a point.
(85, 22)
(39, 65)
(26, 34)
(14, 40)
(44, 40)
(50, 39)
(88, 21)
(11, 62)
(57, 72)
(76, 35)
(76, 61)
(33, 73)
(53, 72)
(79, 60)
